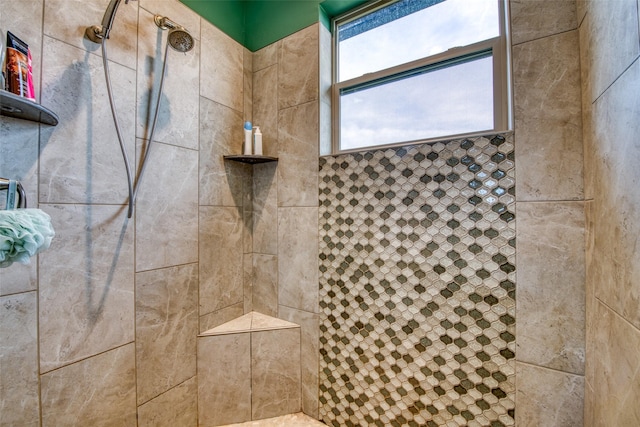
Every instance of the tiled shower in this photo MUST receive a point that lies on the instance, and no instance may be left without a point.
(102, 329)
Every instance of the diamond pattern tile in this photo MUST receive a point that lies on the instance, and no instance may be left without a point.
(417, 285)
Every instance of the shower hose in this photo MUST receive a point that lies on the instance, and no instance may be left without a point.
(132, 188)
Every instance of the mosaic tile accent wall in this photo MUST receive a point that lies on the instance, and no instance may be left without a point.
(417, 285)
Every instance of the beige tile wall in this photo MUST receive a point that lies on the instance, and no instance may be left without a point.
(229, 401)
(550, 262)
(610, 52)
(19, 374)
(133, 294)
(285, 203)
(77, 175)
(104, 323)
(249, 369)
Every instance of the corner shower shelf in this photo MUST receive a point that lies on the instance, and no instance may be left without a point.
(15, 106)
(251, 159)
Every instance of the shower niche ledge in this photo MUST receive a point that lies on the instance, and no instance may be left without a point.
(18, 107)
(252, 159)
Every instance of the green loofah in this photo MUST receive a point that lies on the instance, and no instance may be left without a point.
(23, 233)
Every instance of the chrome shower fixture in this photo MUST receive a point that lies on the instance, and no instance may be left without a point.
(97, 33)
(179, 38)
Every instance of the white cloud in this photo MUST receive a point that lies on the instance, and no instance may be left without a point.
(444, 102)
(424, 33)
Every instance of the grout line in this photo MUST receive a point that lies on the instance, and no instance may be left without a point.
(544, 37)
(552, 201)
(622, 73)
(624, 319)
(138, 405)
(88, 357)
(549, 369)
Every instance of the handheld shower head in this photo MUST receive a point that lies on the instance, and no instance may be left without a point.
(97, 33)
(179, 38)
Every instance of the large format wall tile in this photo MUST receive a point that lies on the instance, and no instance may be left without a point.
(309, 355)
(177, 407)
(617, 196)
(77, 15)
(528, 23)
(224, 379)
(221, 65)
(589, 287)
(298, 258)
(247, 209)
(86, 284)
(298, 155)
(166, 328)
(265, 208)
(616, 380)
(611, 42)
(581, 10)
(167, 208)
(275, 373)
(551, 275)
(80, 159)
(588, 141)
(221, 258)
(19, 392)
(19, 160)
(178, 117)
(265, 284)
(266, 57)
(326, 70)
(18, 277)
(548, 398)
(19, 155)
(99, 391)
(247, 79)
(326, 59)
(217, 318)
(417, 285)
(265, 107)
(548, 120)
(298, 68)
(220, 134)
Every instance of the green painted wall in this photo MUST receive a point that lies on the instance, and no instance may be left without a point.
(227, 15)
(258, 23)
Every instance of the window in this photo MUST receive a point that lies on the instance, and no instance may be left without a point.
(410, 71)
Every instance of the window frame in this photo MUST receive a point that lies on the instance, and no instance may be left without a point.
(499, 47)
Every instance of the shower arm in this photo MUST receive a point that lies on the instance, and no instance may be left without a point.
(165, 23)
(97, 33)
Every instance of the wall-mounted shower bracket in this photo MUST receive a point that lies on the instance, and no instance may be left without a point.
(97, 33)
(164, 23)
(94, 33)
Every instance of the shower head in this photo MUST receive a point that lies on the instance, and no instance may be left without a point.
(179, 38)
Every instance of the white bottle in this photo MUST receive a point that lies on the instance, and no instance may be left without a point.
(257, 142)
(246, 148)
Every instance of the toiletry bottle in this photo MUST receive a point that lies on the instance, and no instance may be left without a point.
(257, 142)
(247, 139)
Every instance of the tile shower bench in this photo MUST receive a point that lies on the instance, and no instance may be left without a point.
(248, 369)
